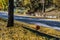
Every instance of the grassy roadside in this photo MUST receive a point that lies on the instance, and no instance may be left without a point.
(46, 30)
(19, 33)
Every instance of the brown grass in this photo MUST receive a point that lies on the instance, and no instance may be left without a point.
(19, 33)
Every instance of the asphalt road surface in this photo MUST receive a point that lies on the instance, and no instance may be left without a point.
(37, 21)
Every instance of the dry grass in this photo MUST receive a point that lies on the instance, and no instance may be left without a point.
(19, 33)
(46, 30)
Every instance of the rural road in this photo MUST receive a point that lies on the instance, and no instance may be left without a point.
(37, 21)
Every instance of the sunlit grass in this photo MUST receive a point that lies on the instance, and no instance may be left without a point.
(19, 33)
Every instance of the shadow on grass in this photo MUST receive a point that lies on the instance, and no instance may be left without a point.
(41, 34)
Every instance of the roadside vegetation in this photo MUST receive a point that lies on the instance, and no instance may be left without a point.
(10, 30)
(18, 32)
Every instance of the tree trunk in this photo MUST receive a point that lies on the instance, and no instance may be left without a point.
(10, 13)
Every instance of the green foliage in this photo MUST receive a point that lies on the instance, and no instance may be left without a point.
(4, 4)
